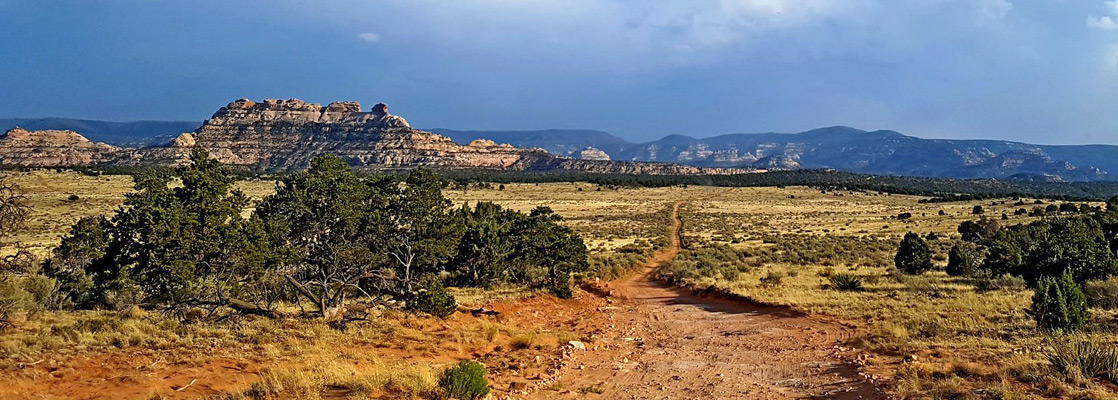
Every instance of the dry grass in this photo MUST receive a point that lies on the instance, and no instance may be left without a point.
(339, 379)
(980, 339)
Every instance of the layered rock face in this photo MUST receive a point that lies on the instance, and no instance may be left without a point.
(287, 134)
(52, 149)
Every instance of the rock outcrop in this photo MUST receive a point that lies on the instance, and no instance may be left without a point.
(288, 134)
(52, 148)
(591, 153)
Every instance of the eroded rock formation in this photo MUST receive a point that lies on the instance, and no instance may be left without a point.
(51, 149)
(288, 134)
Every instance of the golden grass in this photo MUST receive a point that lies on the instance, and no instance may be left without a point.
(336, 379)
(974, 335)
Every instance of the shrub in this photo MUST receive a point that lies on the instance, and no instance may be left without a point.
(1083, 357)
(959, 262)
(846, 282)
(1058, 304)
(903, 216)
(772, 279)
(13, 299)
(521, 342)
(977, 210)
(434, 299)
(985, 281)
(913, 256)
(465, 380)
(45, 291)
(1102, 294)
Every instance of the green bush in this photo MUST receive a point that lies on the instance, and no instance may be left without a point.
(846, 282)
(465, 380)
(959, 262)
(434, 299)
(1059, 304)
(913, 256)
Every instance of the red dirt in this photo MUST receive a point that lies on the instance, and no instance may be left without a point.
(648, 340)
(667, 343)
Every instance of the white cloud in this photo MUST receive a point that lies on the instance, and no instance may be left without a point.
(1105, 22)
(369, 37)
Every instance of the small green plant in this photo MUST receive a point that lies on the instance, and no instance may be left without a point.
(465, 381)
(1059, 304)
(592, 389)
(846, 282)
(434, 299)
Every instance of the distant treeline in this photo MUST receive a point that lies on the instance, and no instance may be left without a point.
(939, 189)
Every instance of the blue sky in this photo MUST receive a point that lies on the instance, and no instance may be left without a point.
(1041, 71)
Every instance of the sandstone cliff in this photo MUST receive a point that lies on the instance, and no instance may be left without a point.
(288, 134)
(51, 149)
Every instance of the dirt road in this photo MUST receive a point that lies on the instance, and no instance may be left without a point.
(665, 343)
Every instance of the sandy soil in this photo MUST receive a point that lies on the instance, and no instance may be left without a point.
(667, 343)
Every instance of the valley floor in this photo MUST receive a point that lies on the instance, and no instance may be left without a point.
(913, 337)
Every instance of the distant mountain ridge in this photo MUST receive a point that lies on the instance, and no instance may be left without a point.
(882, 152)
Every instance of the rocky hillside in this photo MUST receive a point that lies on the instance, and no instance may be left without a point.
(52, 148)
(287, 134)
(854, 150)
(123, 134)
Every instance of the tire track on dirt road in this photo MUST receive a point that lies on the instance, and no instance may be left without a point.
(664, 342)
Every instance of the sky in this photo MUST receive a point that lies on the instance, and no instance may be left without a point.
(1041, 71)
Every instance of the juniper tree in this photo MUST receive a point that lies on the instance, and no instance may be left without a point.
(913, 256)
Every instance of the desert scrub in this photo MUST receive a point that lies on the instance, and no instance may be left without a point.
(465, 380)
(1080, 357)
(846, 282)
(353, 379)
(523, 341)
(772, 279)
(433, 299)
(824, 250)
(1102, 294)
